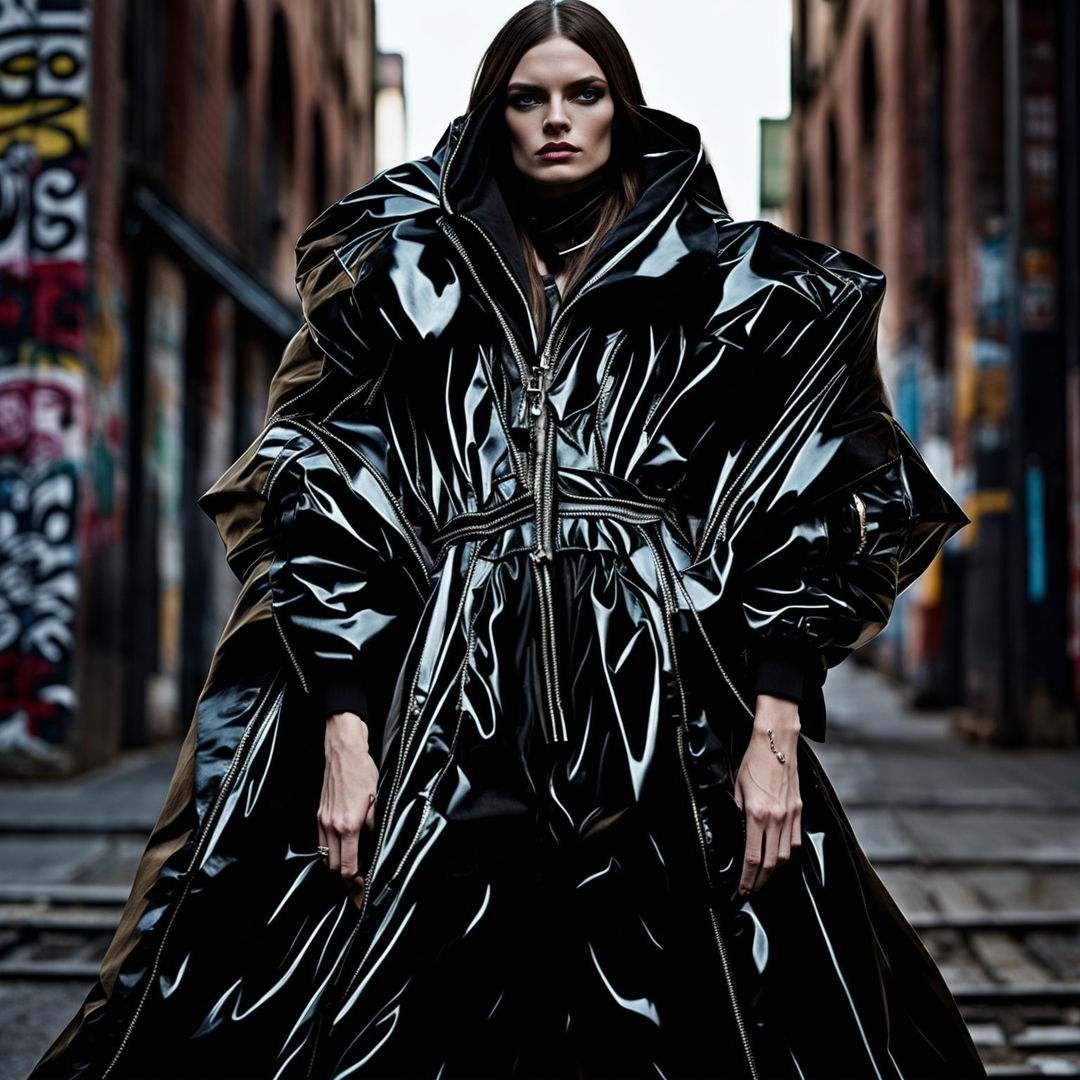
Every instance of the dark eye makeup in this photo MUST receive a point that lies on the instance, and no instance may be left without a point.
(518, 100)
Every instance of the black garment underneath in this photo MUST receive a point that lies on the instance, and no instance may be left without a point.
(554, 299)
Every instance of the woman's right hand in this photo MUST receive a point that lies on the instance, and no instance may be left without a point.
(347, 804)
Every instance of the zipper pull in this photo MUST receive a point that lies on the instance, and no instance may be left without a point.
(536, 390)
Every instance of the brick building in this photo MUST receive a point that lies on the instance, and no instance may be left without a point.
(162, 161)
(938, 139)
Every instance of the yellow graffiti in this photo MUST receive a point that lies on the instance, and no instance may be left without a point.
(34, 355)
(105, 334)
(964, 387)
(56, 126)
(980, 503)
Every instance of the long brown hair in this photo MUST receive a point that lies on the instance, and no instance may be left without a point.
(584, 25)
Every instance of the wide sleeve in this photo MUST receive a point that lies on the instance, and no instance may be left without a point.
(816, 508)
(349, 571)
(315, 517)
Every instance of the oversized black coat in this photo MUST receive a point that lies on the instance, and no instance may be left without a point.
(551, 571)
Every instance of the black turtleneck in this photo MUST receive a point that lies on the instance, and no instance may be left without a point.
(558, 224)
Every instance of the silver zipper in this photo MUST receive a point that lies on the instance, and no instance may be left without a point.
(633, 517)
(601, 406)
(502, 262)
(455, 531)
(289, 649)
(254, 726)
(557, 721)
(523, 367)
(543, 485)
(544, 549)
(542, 468)
(556, 730)
(662, 565)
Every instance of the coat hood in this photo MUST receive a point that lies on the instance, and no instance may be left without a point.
(671, 228)
(392, 224)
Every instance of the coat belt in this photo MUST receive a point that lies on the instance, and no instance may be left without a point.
(480, 524)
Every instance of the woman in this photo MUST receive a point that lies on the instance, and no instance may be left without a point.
(571, 489)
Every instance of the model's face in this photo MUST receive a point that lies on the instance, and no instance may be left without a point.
(557, 94)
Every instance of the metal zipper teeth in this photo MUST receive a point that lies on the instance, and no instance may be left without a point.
(444, 202)
(280, 414)
(378, 381)
(288, 649)
(602, 404)
(465, 527)
(509, 334)
(414, 708)
(408, 736)
(519, 359)
(543, 479)
(669, 608)
(523, 367)
(259, 719)
(502, 262)
(633, 517)
(542, 490)
(343, 402)
(450, 161)
(556, 694)
(619, 513)
(542, 556)
(616, 501)
(548, 661)
(314, 430)
(546, 606)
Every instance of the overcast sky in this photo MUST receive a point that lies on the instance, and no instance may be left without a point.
(721, 64)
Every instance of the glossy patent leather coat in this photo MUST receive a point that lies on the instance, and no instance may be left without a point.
(541, 564)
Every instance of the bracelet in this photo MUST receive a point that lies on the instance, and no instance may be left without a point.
(772, 747)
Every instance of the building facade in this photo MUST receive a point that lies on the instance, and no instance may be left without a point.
(157, 164)
(938, 139)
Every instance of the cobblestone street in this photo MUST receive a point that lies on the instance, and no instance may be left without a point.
(980, 846)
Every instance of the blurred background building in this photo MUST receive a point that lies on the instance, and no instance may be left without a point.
(157, 162)
(938, 138)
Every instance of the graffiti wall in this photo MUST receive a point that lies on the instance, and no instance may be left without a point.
(43, 379)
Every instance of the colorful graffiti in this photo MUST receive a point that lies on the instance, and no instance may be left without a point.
(43, 379)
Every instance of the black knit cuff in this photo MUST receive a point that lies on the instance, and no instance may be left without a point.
(335, 697)
(786, 671)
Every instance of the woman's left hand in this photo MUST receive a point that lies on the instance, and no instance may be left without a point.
(767, 790)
